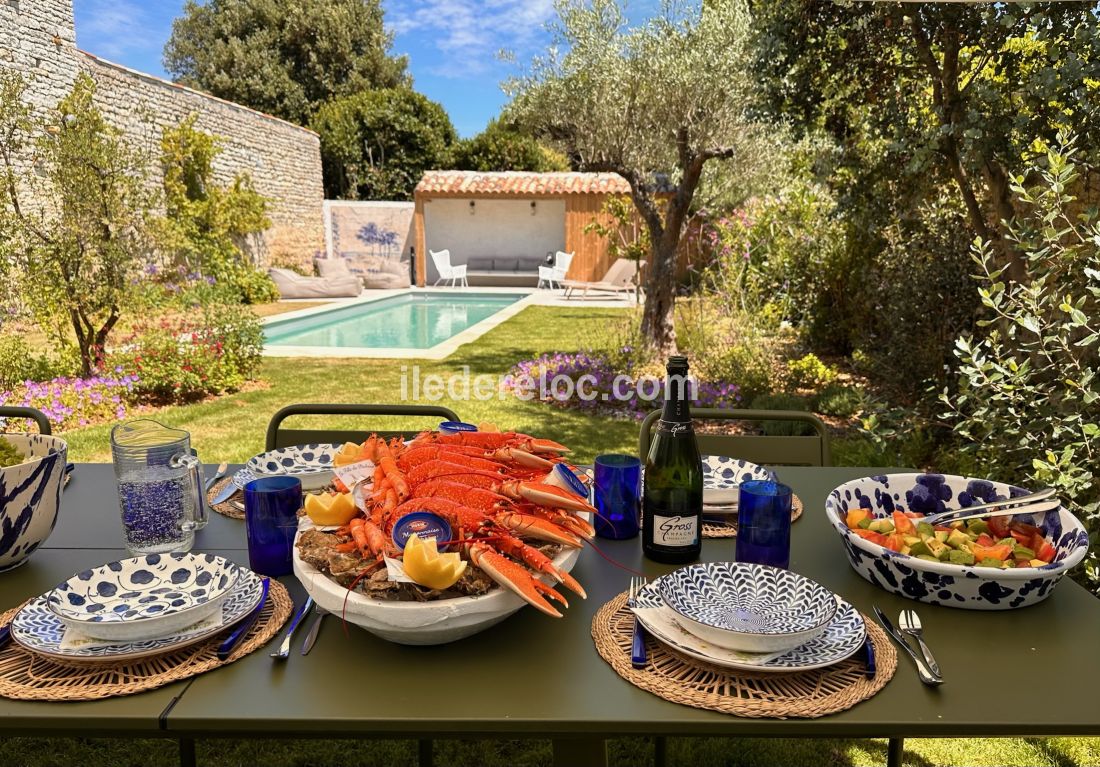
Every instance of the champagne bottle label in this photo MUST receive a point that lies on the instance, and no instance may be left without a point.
(675, 531)
(674, 428)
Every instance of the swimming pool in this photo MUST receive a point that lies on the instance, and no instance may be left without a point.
(408, 322)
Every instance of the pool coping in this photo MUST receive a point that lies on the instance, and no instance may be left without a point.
(439, 351)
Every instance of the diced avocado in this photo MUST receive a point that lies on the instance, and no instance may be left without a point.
(1008, 563)
(1038, 563)
(911, 539)
(920, 548)
(884, 526)
(1023, 552)
(977, 526)
(990, 562)
(865, 523)
(927, 557)
(923, 528)
(905, 550)
(957, 525)
(960, 557)
(957, 538)
(1010, 541)
(936, 549)
(943, 535)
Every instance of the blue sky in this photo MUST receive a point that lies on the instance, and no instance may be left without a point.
(452, 44)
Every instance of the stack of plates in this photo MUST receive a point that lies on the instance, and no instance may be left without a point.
(752, 617)
(312, 464)
(722, 478)
(136, 608)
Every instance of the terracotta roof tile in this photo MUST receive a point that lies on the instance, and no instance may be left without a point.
(520, 184)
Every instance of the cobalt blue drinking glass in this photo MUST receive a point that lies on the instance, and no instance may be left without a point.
(764, 523)
(618, 489)
(271, 520)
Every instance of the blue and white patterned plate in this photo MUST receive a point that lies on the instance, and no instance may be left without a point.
(37, 629)
(721, 472)
(842, 638)
(746, 606)
(144, 597)
(312, 464)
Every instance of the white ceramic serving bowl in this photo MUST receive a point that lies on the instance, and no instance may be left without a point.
(30, 496)
(145, 597)
(748, 607)
(942, 583)
(416, 623)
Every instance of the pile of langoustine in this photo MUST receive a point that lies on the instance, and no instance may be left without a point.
(506, 521)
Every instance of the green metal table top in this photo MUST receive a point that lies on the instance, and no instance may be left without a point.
(533, 675)
(537, 675)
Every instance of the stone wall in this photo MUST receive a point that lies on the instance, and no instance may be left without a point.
(37, 38)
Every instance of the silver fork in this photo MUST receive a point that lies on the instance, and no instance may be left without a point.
(909, 622)
(637, 641)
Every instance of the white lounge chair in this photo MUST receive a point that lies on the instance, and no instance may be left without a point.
(456, 274)
(557, 272)
(621, 277)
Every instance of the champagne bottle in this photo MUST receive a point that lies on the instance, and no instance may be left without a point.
(672, 498)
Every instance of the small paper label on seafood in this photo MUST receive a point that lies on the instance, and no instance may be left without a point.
(354, 472)
(675, 531)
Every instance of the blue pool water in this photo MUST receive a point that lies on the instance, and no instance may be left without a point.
(410, 321)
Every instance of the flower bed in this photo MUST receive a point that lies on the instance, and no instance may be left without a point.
(73, 402)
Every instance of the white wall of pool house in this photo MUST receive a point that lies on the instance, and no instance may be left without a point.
(493, 229)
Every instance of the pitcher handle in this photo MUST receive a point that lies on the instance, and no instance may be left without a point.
(198, 499)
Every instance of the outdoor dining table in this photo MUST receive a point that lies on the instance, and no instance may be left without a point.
(1026, 673)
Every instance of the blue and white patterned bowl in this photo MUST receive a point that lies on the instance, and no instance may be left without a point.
(312, 464)
(30, 495)
(721, 472)
(748, 607)
(144, 597)
(941, 583)
(36, 628)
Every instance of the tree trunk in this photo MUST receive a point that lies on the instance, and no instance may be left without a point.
(660, 300)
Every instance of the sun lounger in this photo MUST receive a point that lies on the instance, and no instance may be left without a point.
(293, 285)
(620, 278)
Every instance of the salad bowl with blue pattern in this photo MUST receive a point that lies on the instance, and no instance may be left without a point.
(144, 597)
(30, 496)
(943, 583)
(748, 607)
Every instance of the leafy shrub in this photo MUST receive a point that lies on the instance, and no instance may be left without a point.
(20, 362)
(183, 358)
(809, 373)
(839, 400)
(726, 346)
(783, 402)
(1028, 392)
(73, 402)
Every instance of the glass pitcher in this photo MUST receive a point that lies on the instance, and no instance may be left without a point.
(160, 488)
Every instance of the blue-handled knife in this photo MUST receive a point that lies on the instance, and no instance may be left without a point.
(869, 656)
(226, 648)
(5, 635)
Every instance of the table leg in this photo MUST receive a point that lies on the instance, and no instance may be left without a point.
(187, 752)
(580, 752)
(660, 751)
(424, 753)
(894, 752)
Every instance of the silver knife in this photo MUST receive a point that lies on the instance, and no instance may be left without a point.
(314, 630)
(225, 493)
(284, 648)
(222, 469)
(925, 675)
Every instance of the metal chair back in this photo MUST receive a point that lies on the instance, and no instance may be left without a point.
(12, 411)
(761, 449)
(277, 436)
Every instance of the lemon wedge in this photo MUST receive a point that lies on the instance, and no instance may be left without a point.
(425, 565)
(349, 453)
(330, 508)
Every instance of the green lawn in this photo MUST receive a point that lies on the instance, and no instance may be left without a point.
(232, 428)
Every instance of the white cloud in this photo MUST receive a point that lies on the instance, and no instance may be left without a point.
(114, 29)
(469, 33)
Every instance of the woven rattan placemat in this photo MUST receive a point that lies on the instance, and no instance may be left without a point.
(677, 678)
(27, 676)
(718, 530)
(227, 508)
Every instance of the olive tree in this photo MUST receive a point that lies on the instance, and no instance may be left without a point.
(653, 103)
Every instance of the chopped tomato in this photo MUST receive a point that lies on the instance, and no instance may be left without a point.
(1002, 552)
(870, 535)
(894, 541)
(1046, 552)
(855, 516)
(1025, 529)
(998, 527)
(984, 540)
(914, 515)
(903, 524)
(942, 529)
(1021, 538)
